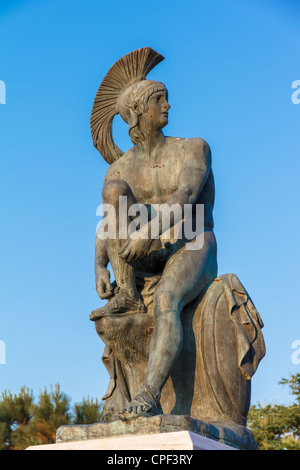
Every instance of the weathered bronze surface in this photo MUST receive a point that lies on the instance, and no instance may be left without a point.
(179, 339)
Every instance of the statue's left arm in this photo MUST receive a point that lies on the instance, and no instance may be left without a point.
(191, 180)
(192, 176)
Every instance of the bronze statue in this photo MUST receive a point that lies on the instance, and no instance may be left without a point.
(162, 351)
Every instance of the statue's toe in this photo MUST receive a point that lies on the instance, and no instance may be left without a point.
(145, 404)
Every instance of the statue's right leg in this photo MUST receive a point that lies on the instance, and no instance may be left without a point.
(126, 296)
(186, 273)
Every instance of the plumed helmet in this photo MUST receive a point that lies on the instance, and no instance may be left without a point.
(124, 84)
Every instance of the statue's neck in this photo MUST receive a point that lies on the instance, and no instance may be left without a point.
(152, 141)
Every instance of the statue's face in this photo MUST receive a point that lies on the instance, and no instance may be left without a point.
(158, 108)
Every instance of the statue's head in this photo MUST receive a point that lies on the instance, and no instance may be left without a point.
(144, 97)
(125, 91)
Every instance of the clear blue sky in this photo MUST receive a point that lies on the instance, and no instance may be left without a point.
(229, 68)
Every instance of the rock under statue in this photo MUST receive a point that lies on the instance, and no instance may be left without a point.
(179, 339)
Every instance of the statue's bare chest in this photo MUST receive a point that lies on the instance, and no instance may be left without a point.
(152, 181)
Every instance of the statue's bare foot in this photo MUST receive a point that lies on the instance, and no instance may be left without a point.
(123, 302)
(146, 404)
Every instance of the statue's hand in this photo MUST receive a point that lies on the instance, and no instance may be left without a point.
(134, 249)
(103, 284)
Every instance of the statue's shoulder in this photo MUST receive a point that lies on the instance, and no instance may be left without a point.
(194, 147)
(116, 169)
(196, 143)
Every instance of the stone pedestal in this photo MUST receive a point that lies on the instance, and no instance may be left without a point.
(162, 432)
(180, 440)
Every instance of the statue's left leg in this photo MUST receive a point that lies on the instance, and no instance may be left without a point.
(186, 274)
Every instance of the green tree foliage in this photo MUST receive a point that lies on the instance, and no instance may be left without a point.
(15, 415)
(277, 427)
(24, 423)
(87, 412)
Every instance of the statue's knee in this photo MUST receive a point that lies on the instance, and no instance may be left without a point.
(114, 189)
(164, 300)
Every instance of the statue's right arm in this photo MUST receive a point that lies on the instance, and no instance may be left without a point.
(102, 274)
